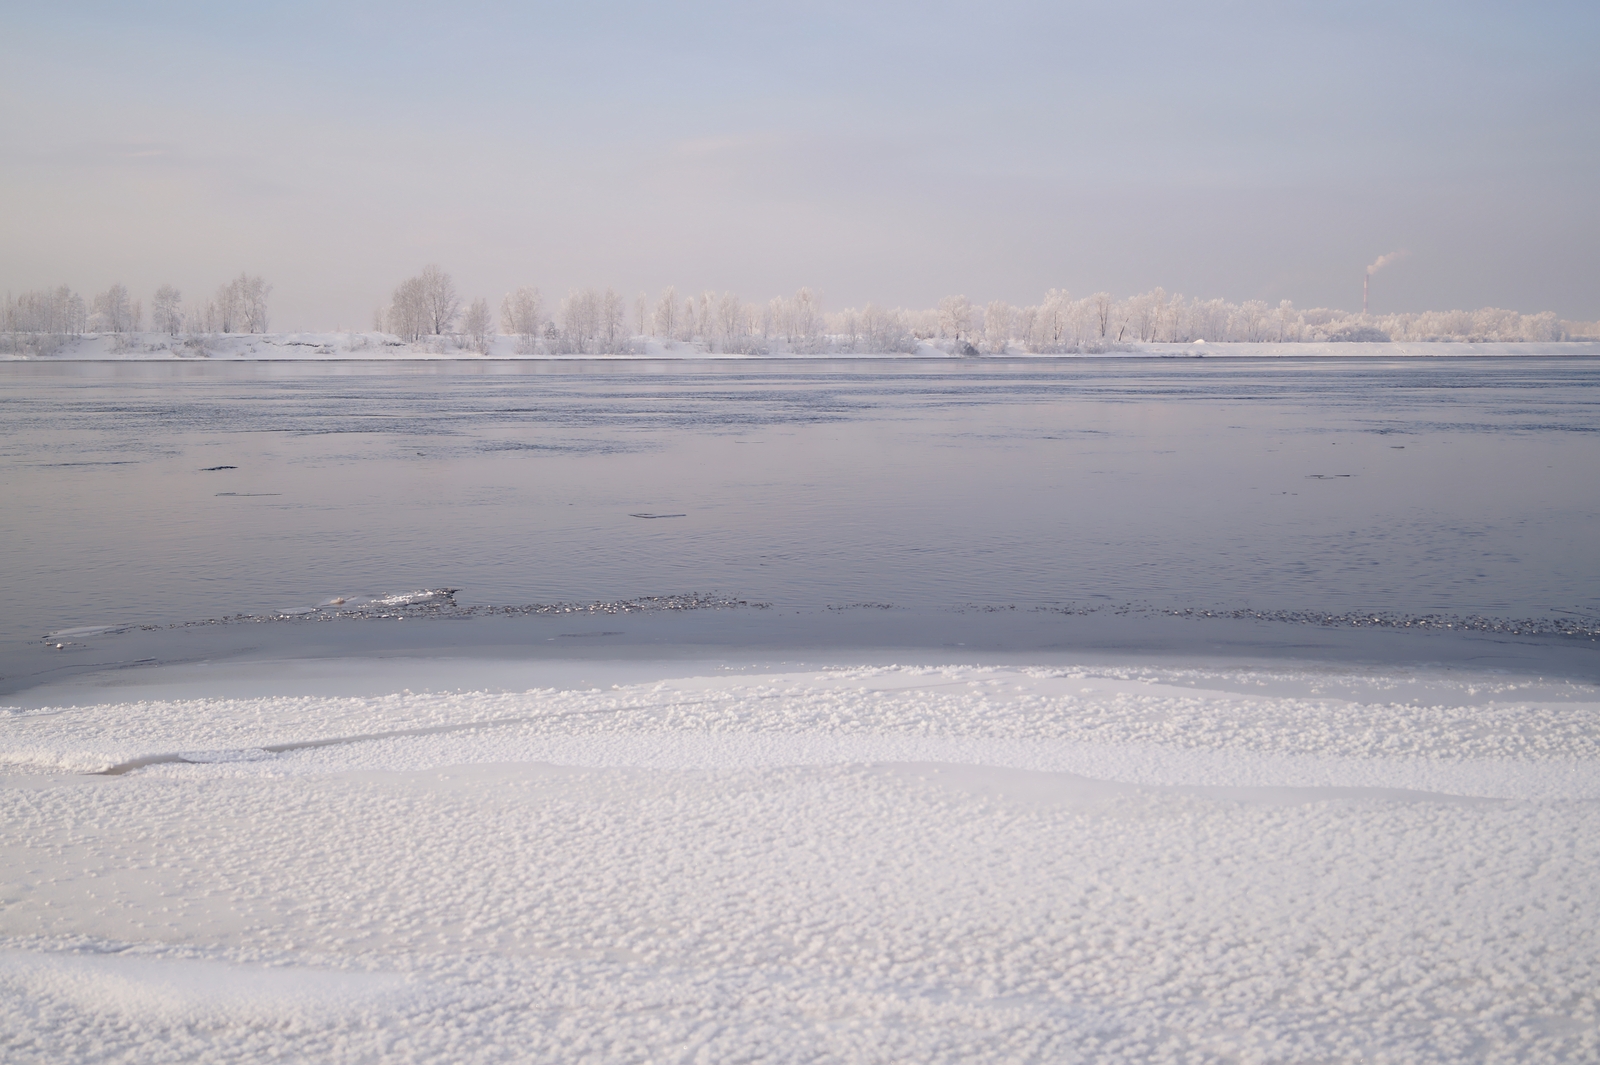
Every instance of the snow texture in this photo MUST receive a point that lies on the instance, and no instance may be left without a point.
(1067, 863)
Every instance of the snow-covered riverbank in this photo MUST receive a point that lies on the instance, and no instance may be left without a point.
(1077, 861)
(382, 346)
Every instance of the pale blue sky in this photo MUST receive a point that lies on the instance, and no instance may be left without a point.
(890, 152)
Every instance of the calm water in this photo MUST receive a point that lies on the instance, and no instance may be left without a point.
(1414, 486)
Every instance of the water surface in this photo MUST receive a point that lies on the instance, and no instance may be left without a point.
(163, 493)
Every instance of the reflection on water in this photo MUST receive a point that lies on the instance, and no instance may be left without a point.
(156, 492)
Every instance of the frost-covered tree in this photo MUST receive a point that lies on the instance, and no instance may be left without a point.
(688, 324)
(955, 317)
(1049, 330)
(805, 329)
(478, 324)
(703, 325)
(612, 324)
(1102, 303)
(408, 316)
(884, 330)
(731, 325)
(665, 321)
(439, 299)
(425, 305)
(38, 323)
(240, 306)
(166, 311)
(1022, 328)
(115, 312)
(580, 320)
(522, 314)
(997, 319)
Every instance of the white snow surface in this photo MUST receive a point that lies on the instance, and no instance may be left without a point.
(277, 347)
(1081, 862)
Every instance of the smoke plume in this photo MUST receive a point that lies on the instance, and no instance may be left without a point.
(1385, 260)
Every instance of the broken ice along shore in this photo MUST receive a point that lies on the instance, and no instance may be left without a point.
(368, 346)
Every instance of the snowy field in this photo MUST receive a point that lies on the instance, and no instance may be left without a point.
(382, 346)
(1073, 862)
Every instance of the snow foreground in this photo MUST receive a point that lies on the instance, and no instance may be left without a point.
(1075, 863)
(309, 347)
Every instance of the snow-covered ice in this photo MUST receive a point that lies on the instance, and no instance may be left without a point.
(1079, 860)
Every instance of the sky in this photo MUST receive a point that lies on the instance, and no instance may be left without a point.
(888, 152)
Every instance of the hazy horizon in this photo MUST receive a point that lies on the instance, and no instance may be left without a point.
(893, 154)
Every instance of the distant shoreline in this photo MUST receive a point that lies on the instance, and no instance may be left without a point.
(377, 347)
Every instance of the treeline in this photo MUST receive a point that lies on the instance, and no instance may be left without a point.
(1060, 323)
(40, 322)
(428, 310)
